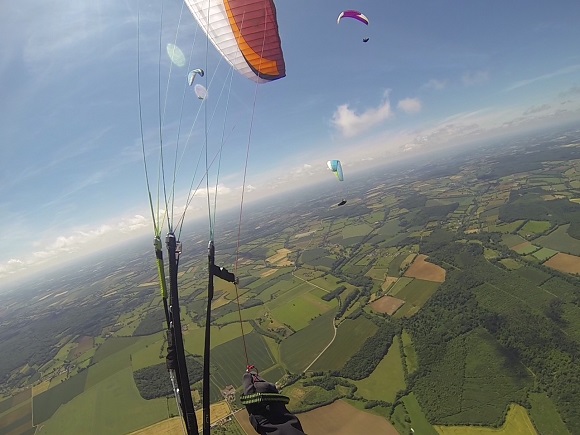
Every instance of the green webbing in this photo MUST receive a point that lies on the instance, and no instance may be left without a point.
(248, 399)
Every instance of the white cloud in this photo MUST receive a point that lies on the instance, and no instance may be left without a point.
(536, 109)
(435, 85)
(410, 105)
(350, 123)
(475, 78)
(134, 223)
(442, 135)
(221, 190)
(11, 266)
(54, 250)
(561, 71)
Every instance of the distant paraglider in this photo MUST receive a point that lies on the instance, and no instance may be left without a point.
(336, 167)
(355, 15)
(200, 92)
(175, 55)
(192, 74)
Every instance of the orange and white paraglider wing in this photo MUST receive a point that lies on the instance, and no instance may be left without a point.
(245, 32)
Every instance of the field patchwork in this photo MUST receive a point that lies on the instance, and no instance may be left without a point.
(422, 269)
(564, 263)
(387, 304)
(517, 423)
(387, 379)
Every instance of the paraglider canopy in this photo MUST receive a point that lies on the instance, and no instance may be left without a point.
(353, 14)
(200, 91)
(336, 167)
(192, 74)
(176, 55)
(245, 33)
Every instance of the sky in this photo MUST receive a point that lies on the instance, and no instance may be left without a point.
(434, 75)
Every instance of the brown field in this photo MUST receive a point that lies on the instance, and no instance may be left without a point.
(20, 429)
(83, 344)
(422, 269)
(338, 418)
(564, 263)
(268, 273)
(387, 304)
(23, 396)
(389, 281)
(279, 257)
(15, 414)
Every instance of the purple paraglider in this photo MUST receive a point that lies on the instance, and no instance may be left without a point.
(353, 14)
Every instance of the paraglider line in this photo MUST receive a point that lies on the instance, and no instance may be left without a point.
(180, 110)
(244, 190)
(155, 228)
(161, 163)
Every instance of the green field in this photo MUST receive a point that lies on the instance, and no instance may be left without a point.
(395, 264)
(377, 273)
(409, 414)
(517, 423)
(415, 294)
(387, 379)
(506, 228)
(410, 355)
(356, 230)
(512, 240)
(545, 415)
(533, 274)
(559, 240)
(118, 399)
(534, 228)
(300, 349)
(401, 283)
(525, 249)
(544, 254)
(350, 336)
(117, 361)
(195, 337)
(390, 228)
(229, 361)
(510, 263)
(151, 354)
(47, 403)
(300, 311)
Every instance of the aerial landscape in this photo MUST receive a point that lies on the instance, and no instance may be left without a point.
(440, 296)
(375, 211)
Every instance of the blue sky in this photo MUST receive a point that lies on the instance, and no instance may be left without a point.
(434, 74)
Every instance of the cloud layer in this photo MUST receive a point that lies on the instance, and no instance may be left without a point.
(350, 123)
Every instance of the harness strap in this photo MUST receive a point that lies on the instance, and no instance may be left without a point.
(248, 399)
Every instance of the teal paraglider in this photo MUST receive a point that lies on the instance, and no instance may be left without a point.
(336, 167)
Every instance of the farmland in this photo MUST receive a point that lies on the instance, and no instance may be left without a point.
(471, 267)
(386, 380)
